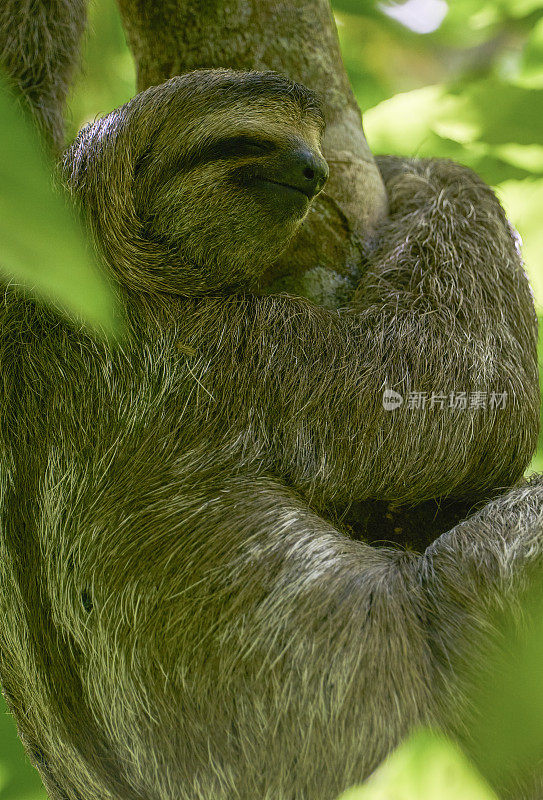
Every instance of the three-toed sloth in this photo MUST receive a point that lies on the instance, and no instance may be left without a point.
(184, 615)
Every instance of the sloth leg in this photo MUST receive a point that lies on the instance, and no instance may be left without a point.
(235, 642)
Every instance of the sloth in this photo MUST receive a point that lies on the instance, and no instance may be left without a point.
(185, 612)
(242, 155)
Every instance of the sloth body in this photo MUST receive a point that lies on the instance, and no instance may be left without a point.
(185, 617)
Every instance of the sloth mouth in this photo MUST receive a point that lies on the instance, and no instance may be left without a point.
(288, 186)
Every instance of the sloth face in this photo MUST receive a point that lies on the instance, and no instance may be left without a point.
(227, 186)
(199, 184)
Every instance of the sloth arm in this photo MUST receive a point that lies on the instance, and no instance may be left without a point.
(227, 615)
(444, 307)
(264, 604)
(269, 625)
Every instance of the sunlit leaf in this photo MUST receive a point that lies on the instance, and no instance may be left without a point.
(529, 157)
(503, 113)
(420, 107)
(520, 8)
(508, 730)
(42, 244)
(18, 778)
(425, 767)
(531, 64)
(523, 201)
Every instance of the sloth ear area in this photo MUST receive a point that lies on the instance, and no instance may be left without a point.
(99, 170)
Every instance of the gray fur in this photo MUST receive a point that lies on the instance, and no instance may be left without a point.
(184, 615)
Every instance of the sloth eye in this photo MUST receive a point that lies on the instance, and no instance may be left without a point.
(240, 146)
(227, 148)
(253, 146)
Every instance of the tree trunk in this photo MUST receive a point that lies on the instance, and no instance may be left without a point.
(299, 40)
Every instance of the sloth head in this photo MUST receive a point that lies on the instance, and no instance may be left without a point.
(200, 183)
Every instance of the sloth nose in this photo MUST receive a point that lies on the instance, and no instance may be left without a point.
(306, 171)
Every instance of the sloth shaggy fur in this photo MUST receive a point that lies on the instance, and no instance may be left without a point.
(184, 614)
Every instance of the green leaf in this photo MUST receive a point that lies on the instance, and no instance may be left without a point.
(43, 246)
(521, 8)
(507, 732)
(531, 64)
(502, 112)
(109, 78)
(523, 201)
(18, 778)
(425, 767)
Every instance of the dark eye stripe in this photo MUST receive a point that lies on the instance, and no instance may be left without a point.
(236, 146)
(227, 148)
(230, 147)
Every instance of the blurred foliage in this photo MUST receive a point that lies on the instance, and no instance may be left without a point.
(43, 244)
(18, 780)
(507, 731)
(425, 767)
(506, 735)
(108, 76)
(471, 90)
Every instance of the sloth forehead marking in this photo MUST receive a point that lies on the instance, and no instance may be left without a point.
(212, 87)
(276, 122)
